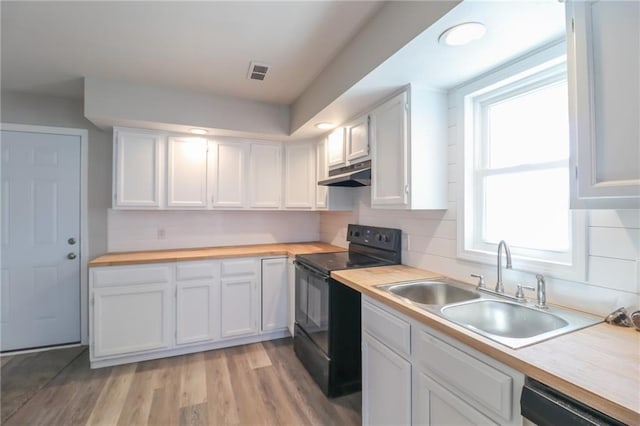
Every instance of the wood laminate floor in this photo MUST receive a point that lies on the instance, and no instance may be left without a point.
(257, 384)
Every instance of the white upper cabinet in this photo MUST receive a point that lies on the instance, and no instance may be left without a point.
(329, 198)
(300, 175)
(358, 140)
(336, 149)
(408, 137)
(228, 180)
(265, 175)
(604, 92)
(136, 171)
(186, 172)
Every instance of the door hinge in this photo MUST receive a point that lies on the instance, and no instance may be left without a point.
(576, 169)
(406, 189)
(406, 106)
(573, 25)
(93, 300)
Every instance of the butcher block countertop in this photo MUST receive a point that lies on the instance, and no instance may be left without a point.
(181, 255)
(598, 365)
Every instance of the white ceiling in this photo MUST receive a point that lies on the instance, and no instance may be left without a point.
(206, 46)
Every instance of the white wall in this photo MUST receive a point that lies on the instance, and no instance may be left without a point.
(156, 230)
(429, 242)
(61, 112)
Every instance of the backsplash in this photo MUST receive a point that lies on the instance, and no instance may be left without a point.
(429, 242)
(156, 230)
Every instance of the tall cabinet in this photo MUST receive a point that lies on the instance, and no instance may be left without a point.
(603, 42)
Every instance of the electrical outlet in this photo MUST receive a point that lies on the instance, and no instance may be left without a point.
(161, 233)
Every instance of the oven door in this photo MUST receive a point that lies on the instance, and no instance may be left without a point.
(312, 305)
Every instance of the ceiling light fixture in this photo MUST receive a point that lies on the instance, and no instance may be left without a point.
(462, 34)
(325, 126)
(198, 131)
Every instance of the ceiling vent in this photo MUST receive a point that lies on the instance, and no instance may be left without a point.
(257, 71)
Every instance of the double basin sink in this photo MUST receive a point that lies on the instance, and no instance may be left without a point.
(509, 323)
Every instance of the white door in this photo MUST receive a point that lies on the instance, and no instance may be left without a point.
(300, 176)
(229, 171)
(238, 309)
(336, 156)
(321, 173)
(386, 385)
(197, 302)
(40, 298)
(275, 294)
(265, 175)
(187, 172)
(358, 136)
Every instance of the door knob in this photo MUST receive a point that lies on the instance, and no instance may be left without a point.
(71, 256)
(71, 241)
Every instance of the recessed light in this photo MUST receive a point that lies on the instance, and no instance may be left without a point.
(462, 34)
(325, 125)
(198, 131)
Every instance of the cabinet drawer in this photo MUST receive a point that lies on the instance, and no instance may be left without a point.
(196, 271)
(235, 267)
(388, 328)
(467, 376)
(130, 275)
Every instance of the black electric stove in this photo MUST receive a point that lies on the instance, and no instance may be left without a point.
(327, 336)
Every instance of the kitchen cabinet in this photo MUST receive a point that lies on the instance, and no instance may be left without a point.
(291, 283)
(329, 198)
(228, 177)
(239, 297)
(131, 310)
(412, 374)
(186, 173)
(408, 137)
(275, 294)
(265, 175)
(386, 385)
(136, 169)
(300, 175)
(336, 149)
(604, 103)
(197, 302)
(358, 140)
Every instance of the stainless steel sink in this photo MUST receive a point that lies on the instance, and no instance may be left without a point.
(441, 291)
(514, 324)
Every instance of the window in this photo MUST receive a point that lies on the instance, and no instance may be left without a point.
(515, 130)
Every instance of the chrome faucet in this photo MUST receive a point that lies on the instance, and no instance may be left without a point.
(499, 285)
(541, 292)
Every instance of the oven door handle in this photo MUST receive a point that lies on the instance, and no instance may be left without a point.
(311, 271)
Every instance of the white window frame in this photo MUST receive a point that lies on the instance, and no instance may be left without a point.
(534, 70)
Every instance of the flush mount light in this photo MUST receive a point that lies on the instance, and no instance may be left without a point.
(462, 34)
(325, 126)
(198, 131)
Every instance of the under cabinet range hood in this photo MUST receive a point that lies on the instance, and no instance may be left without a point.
(358, 174)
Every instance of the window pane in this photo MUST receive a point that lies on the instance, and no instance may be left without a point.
(529, 128)
(529, 209)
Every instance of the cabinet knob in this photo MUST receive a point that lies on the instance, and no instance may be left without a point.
(71, 256)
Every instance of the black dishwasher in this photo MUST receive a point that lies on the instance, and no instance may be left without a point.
(545, 406)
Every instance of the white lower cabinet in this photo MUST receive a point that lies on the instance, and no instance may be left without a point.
(429, 378)
(386, 385)
(148, 311)
(275, 294)
(135, 318)
(197, 302)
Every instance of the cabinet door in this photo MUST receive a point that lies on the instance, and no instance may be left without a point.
(197, 307)
(336, 155)
(265, 176)
(238, 306)
(229, 171)
(187, 172)
(300, 175)
(604, 93)
(275, 294)
(291, 271)
(358, 140)
(435, 405)
(136, 169)
(386, 385)
(131, 319)
(321, 173)
(389, 174)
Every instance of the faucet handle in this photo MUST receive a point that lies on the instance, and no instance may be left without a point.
(480, 280)
(520, 292)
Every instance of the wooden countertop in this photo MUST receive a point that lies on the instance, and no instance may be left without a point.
(598, 365)
(159, 256)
